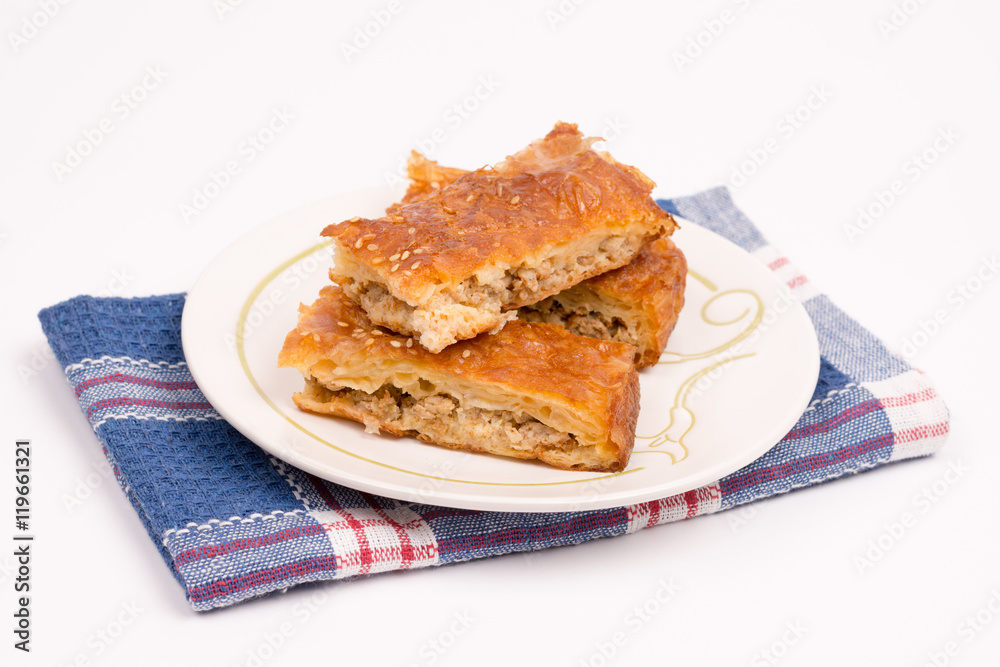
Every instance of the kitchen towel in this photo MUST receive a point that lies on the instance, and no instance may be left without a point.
(234, 523)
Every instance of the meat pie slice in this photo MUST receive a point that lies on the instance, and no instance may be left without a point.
(455, 264)
(638, 303)
(530, 391)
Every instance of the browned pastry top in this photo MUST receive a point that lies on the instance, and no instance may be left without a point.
(555, 190)
(652, 270)
(525, 357)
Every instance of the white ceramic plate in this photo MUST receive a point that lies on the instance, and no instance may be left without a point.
(739, 370)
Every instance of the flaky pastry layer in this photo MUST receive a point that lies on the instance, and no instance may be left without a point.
(442, 420)
(500, 237)
(638, 303)
(583, 393)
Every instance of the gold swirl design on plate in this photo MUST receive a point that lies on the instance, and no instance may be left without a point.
(681, 418)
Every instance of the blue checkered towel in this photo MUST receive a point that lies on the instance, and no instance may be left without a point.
(234, 523)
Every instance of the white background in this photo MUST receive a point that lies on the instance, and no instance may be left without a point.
(114, 224)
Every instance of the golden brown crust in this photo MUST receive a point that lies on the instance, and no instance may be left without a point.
(592, 383)
(522, 356)
(653, 282)
(426, 178)
(556, 190)
(624, 415)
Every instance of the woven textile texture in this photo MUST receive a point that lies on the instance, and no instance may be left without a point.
(233, 523)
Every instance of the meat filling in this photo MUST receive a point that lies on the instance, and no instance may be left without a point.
(439, 418)
(581, 321)
(471, 307)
